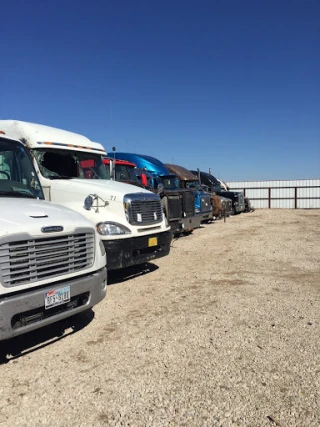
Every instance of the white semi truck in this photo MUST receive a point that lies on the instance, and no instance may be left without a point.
(52, 262)
(129, 220)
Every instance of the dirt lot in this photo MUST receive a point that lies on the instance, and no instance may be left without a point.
(222, 332)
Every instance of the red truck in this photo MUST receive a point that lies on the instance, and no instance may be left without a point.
(123, 171)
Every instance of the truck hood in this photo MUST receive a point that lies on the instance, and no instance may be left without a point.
(108, 190)
(29, 216)
(229, 194)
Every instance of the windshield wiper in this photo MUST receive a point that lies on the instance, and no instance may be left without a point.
(18, 193)
(60, 177)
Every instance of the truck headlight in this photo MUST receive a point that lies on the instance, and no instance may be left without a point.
(112, 229)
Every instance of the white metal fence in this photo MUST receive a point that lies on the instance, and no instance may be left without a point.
(299, 194)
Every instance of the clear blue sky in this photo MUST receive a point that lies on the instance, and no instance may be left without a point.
(229, 84)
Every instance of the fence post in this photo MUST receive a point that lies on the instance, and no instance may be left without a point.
(269, 197)
(295, 197)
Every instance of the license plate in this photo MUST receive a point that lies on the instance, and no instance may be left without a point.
(56, 297)
(153, 241)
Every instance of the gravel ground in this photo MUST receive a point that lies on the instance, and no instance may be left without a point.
(222, 332)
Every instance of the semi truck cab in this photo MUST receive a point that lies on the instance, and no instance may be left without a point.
(189, 181)
(122, 171)
(52, 262)
(69, 166)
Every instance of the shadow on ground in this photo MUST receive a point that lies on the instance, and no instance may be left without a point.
(119, 276)
(32, 341)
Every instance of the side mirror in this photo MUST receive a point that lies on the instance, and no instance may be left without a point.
(160, 188)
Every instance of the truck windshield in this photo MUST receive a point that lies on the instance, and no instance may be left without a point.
(170, 182)
(66, 164)
(125, 173)
(192, 185)
(17, 175)
(216, 188)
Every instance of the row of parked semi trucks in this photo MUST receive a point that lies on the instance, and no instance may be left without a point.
(189, 197)
(66, 219)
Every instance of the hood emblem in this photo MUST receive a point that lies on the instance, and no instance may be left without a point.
(52, 229)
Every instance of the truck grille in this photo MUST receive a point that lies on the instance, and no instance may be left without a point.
(188, 203)
(226, 205)
(174, 207)
(146, 211)
(205, 203)
(27, 261)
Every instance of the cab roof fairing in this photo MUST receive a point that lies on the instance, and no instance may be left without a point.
(142, 161)
(36, 136)
(181, 172)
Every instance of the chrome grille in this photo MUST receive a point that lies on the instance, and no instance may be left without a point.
(205, 203)
(188, 203)
(27, 261)
(145, 211)
(174, 207)
(226, 204)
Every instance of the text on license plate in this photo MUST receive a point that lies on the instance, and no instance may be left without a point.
(56, 297)
(153, 241)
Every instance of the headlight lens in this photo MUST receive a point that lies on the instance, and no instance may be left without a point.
(112, 229)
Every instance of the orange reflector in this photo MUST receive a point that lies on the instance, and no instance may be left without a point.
(152, 241)
(48, 143)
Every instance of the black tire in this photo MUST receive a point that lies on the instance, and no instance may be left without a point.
(3, 355)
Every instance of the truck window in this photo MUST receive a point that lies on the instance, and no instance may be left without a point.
(67, 164)
(17, 175)
(170, 183)
(192, 185)
(125, 173)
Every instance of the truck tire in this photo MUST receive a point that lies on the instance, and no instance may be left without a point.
(3, 354)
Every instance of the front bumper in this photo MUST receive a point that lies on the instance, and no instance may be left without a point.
(190, 223)
(239, 208)
(205, 216)
(123, 253)
(25, 311)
